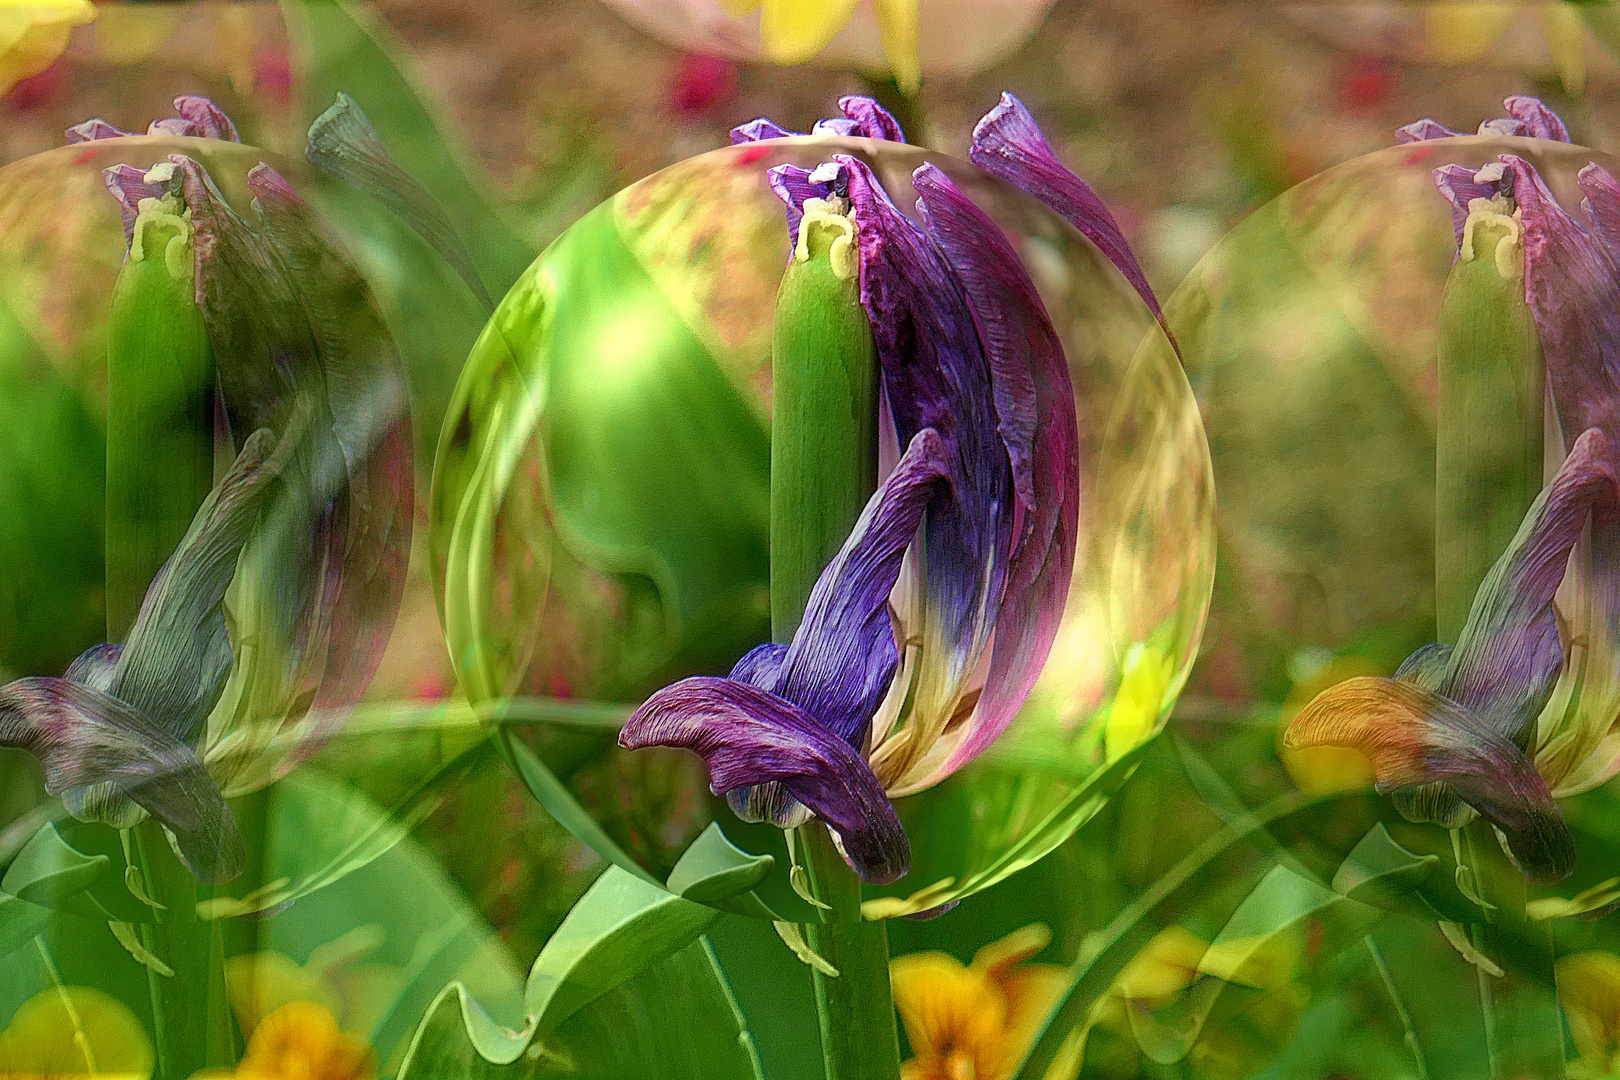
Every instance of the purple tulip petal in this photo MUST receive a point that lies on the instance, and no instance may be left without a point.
(1422, 131)
(840, 127)
(85, 738)
(1415, 737)
(129, 186)
(842, 658)
(793, 186)
(92, 130)
(1461, 186)
(1007, 143)
(206, 119)
(748, 737)
(1527, 118)
(1508, 655)
(1034, 401)
(872, 120)
(758, 131)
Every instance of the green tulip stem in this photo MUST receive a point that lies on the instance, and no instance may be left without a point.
(190, 1011)
(823, 470)
(1488, 472)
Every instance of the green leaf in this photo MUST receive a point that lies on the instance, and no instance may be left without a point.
(714, 868)
(49, 870)
(675, 1020)
(629, 950)
(1380, 872)
(19, 922)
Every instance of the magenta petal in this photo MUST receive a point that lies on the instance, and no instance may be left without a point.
(206, 118)
(872, 120)
(1035, 401)
(84, 737)
(1007, 143)
(748, 736)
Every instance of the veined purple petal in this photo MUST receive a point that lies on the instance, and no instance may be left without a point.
(1007, 143)
(1508, 655)
(750, 737)
(1460, 186)
(208, 120)
(936, 375)
(91, 130)
(1422, 131)
(840, 126)
(843, 655)
(1529, 118)
(793, 186)
(758, 131)
(84, 738)
(1035, 405)
(1414, 737)
(872, 120)
(129, 186)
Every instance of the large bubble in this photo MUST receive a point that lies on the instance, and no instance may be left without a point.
(600, 520)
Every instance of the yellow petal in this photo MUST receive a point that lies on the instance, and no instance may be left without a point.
(260, 983)
(738, 8)
(899, 23)
(301, 1039)
(127, 34)
(954, 1018)
(1566, 41)
(34, 50)
(1589, 988)
(1164, 967)
(793, 31)
(1459, 31)
(75, 1031)
(1323, 770)
(233, 40)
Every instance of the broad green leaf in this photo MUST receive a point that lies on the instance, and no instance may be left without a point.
(49, 870)
(715, 869)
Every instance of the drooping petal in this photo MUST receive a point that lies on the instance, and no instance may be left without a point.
(91, 130)
(344, 145)
(84, 737)
(748, 736)
(129, 186)
(1414, 736)
(1529, 118)
(178, 654)
(794, 186)
(1422, 131)
(1034, 402)
(759, 130)
(1508, 655)
(1007, 143)
(872, 120)
(842, 657)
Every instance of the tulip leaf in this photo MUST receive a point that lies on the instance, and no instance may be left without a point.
(554, 795)
(624, 986)
(715, 871)
(48, 869)
(1380, 872)
(19, 922)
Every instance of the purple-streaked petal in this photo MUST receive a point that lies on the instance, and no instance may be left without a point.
(1035, 405)
(344, 145)
(86, 738)
(1422, 131)
(129, 186)
(1415, 737)
(91, 130)
(843, 656)
(872, 120)
(936, 375)
(749, 737)
(793, 186)
(1461, 186)
(841, 127)
(1528, 118)
(179, 653)
(1008, 144)
(206, 119)
(1508, 655)
(95, 666)
(758, 131)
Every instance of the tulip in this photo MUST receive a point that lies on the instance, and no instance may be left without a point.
(1521, 710)
(927, 628)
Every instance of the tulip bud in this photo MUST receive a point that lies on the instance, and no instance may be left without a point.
(823, 409)
(160, 407)
(1488, 444)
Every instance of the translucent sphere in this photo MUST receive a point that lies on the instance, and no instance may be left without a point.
(600, 518)
(1310, 339)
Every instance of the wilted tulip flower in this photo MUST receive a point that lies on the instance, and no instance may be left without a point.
(251, 612)
(1522, 709)
(1040, 491)
(903, 37)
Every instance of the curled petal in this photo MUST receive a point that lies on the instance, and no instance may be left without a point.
(793, 186)
(839, 126)
(872, 121)
(1414, 736)
(91, 130)
(748, 736)
(344, 145)
(1461, 186)
(179, 653)
(1422, 131)
(1528, 117)
(758, 131)
(129, 186)
(1007, 143)
(1508, 654)
(84, 738)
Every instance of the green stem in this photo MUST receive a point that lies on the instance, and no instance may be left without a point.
(1524, 1028)
(1401, 1012)
(907, 110)
(190, 1011)
(856, 1008)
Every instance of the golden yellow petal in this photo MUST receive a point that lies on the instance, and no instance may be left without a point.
(793, 31)
(1015, 948)
(899, 23)
(954, 1018)
(301, 1039)
(1566, 41)
(1164, 967)
(1458, 31)
(75, 1031)
(260, 983)
(32, 52)
(1589, 988)
(129, 34)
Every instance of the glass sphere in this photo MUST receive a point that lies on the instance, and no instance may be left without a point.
(1310, 338)
(600, 518)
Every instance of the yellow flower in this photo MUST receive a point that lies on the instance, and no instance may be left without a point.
(301, 1041)
(975, 1021)
(1323, 770)
(354, 993)
(1461, 31)
(33, 33)
(74, 1031)
(1589, 989)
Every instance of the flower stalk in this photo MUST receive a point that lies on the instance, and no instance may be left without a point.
(823, 470)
